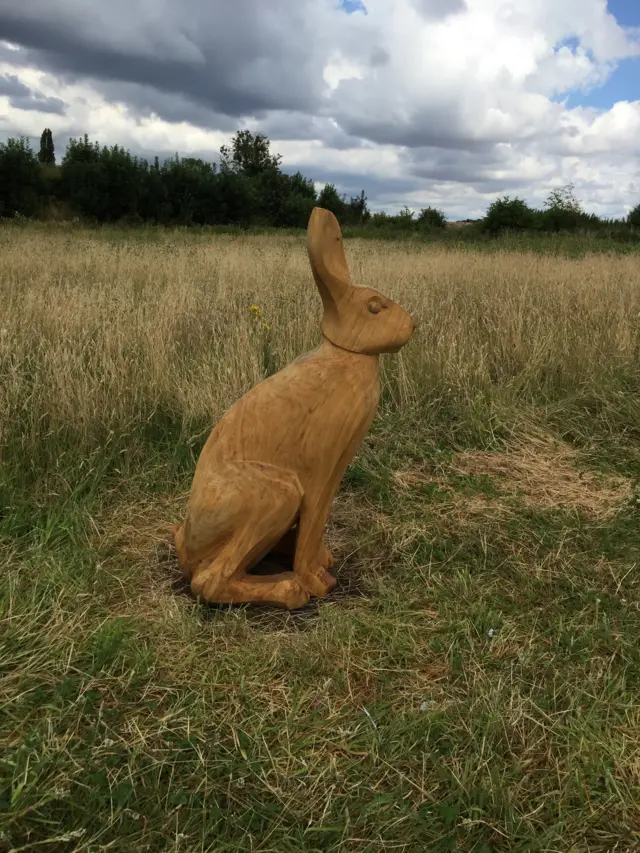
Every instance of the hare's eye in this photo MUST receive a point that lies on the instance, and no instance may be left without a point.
(375, 306)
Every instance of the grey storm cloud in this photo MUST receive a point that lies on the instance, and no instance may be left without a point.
(362, 114)
(237, 58)
(437, 164)
(287, 125)
(10, 85)
(23, 98)
(212, 62)
(171, 106)
(39, 104)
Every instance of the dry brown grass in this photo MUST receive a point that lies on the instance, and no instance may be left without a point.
(543, 475)
(536, 471)
(101, 333)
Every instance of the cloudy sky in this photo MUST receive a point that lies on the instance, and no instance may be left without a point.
(442, 102)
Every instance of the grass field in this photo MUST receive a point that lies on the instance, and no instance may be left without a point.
(473, 684)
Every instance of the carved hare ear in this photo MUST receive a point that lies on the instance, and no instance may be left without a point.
(326, 255)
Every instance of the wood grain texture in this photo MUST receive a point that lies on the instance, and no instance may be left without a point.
(270, 468)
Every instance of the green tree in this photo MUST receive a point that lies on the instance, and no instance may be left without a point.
(240, 198)
(563, 199)
(105, 184)
(295, 211)
(83, 179)
(47, 150)
(302, 186)
(192, 192)
(286, 200)
(634, 217)
(508, 214)
(563, 212)
(358, 212)
(22, 188)
(250, 154)
(331, 200)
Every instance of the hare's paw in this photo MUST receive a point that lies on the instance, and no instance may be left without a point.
(293, 594)
(318, 581)
(208, 584)
(317, 577)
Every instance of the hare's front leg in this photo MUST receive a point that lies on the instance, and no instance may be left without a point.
(312, 558)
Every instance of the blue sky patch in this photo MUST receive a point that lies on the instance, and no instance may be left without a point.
(351, 6)
(624, 82)
(626, 12)
(622, 85)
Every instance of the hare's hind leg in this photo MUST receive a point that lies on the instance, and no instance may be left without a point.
(241, 513)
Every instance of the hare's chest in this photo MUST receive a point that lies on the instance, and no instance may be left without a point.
(337, 421)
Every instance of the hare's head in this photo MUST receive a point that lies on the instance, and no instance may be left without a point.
(358, 319)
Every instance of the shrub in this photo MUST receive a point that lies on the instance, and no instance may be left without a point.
(509, 214)
(431, 217)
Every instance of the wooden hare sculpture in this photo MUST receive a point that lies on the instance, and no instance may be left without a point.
(268, 472)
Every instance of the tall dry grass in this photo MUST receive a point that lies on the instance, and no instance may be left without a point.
(99, 337)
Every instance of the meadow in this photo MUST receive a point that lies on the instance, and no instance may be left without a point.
(472, 684)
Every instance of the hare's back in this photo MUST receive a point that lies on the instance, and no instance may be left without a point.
(308, 409)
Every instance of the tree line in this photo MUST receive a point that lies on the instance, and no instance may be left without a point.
(102, 184)
(246, 187)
